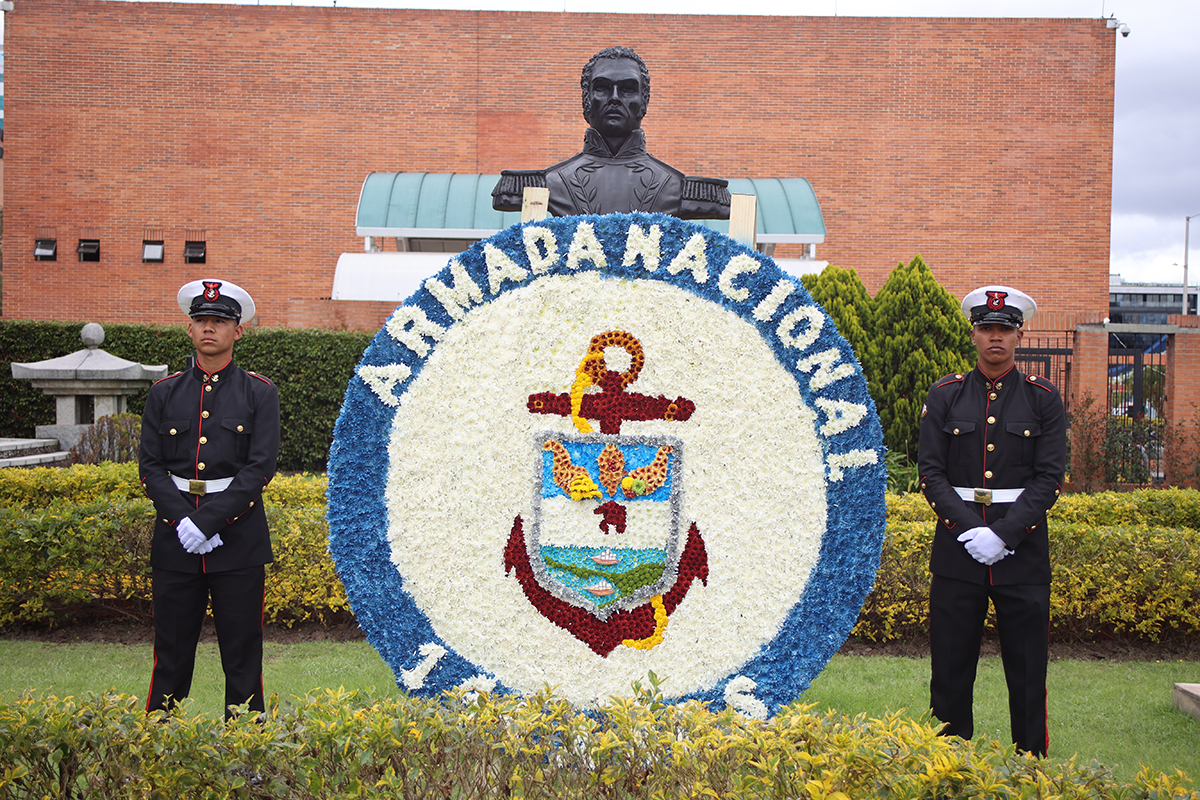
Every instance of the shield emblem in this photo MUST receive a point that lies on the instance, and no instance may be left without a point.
(605, 529)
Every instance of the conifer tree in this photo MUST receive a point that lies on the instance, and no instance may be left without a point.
(844, 297)
(920, 335)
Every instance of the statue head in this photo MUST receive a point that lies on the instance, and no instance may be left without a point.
(616, 92)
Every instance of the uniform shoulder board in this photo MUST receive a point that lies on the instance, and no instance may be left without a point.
(172, 375)
(1038, 380)
(262, 378)
(946, 380)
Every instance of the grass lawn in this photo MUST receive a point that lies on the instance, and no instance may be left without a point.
(1117, 713)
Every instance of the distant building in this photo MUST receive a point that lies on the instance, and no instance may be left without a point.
(1146, 303)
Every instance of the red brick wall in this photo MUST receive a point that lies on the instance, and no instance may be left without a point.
(983, 145)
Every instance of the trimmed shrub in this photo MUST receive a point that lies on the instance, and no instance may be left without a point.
(76, 542)
(81, 484)
(310, 367)
(348, 745)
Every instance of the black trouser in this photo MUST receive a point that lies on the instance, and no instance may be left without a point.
(957, 612)
(180, 600)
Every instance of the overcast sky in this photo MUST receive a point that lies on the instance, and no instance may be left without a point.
(1156, 148)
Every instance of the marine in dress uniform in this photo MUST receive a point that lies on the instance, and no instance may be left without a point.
(210, 440)
(991, 457)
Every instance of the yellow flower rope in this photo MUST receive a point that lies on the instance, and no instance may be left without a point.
(660, 625)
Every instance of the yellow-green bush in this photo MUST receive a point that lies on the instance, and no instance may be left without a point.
(77, 540)
(302, 583)
(1130, 581)
(342, 745)
(81, 483)
(85, 483)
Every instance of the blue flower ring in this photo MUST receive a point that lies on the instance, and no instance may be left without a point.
(591, 448)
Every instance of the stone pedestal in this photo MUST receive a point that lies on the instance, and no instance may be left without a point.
(67, 435)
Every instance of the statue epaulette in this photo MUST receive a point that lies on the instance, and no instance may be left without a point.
(510, 189)
(705, 198)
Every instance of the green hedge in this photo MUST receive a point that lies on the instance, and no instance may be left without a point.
(75, 541)
(310, 367)
(342, 745)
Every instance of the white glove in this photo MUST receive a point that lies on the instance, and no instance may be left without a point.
(190, 536)
(984, 545)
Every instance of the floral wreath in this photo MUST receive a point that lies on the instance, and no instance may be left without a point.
(591, 448)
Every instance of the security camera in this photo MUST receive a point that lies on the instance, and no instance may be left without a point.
(1124, 29)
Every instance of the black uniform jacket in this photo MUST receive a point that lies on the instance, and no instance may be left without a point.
(1004, 434)
(209, 426)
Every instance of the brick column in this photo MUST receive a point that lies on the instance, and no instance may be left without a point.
(1182, 459)
(1088, 390)
(1089, 368)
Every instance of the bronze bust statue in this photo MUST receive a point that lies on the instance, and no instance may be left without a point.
(614, 173)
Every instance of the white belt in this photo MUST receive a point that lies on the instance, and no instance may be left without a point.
(201, 487)
(988, 496)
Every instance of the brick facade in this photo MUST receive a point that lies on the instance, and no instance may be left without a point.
(983, 145)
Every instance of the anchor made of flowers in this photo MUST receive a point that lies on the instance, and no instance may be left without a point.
(586, 590)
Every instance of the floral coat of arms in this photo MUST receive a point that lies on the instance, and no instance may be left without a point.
(595, 447)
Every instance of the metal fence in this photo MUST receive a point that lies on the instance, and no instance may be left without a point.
(1136, 402)
(1048, 356)
(1134, 422)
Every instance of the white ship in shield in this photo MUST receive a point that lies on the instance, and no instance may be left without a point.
(605, 531)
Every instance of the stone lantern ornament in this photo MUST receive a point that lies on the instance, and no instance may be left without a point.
(90, 372)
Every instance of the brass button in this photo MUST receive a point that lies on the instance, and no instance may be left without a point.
(991, 420)
(991, 447)
(173, 431)
(1026, 433)
(203, 440)
(987, 474)
(252, 504)
(958, 377)
(992, 396)
(208, 388)
(200, 465)
(216, 377)
(955, 431)
(204, 414)
(1056, 492)
(946, 521)
(240, 430)
(933, 505)
(1033, 377)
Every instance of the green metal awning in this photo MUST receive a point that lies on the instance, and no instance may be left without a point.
(428, 205)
